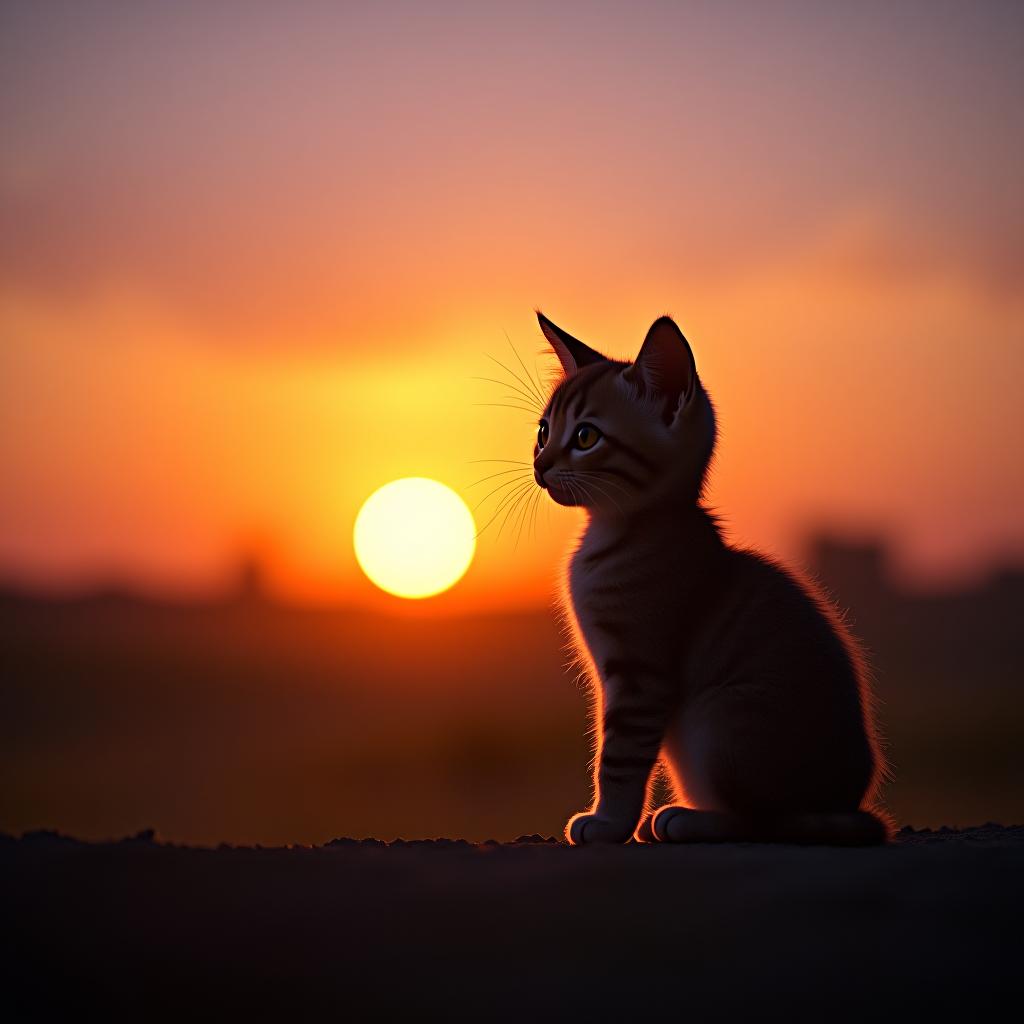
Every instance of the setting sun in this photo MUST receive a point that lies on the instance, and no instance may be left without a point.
(414, 537)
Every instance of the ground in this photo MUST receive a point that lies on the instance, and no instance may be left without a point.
(929, 926)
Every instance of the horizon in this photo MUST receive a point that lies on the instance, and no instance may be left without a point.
(250, 579)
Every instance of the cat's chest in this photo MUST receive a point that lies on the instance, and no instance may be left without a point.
(619, 588)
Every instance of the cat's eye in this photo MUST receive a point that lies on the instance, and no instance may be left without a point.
(587, 436)
(543, 432)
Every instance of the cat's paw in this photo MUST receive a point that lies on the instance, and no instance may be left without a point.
(585, 828)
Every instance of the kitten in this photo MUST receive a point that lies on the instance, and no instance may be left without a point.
(739, 677)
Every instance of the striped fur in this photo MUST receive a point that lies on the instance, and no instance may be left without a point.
(739, 676)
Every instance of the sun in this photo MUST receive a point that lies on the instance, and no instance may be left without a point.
(414, 537)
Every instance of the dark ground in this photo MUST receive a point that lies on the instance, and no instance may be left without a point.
(930, 926)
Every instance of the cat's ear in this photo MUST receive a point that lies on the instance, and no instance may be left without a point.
(665, 366)
(572, 353)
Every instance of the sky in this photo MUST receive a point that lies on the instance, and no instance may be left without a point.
(252, 258)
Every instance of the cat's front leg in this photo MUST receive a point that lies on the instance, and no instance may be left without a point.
(635, 716)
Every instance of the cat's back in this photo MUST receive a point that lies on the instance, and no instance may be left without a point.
(719, 613)
(776, 625)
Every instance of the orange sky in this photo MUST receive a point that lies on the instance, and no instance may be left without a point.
(249, 268)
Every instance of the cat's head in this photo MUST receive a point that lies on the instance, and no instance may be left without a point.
(618, 437)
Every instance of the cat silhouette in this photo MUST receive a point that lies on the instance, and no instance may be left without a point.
(736, 674)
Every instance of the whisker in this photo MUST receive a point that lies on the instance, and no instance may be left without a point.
(491, 476)
(589, 494)
(609, 496)
(528, 518)
(515, 376)
(525, 518)
(515, 351)
(532, 515)
(596, 473)
(507, 483)
(514, 462)
(578, 478)
(520, 498)
(522, 488)
(520, 519)
(582, 492)
(507, 509)
(531, 399)
(503, 405)
(517, 487)
(510, 398)
(531, 505)
(568, 478)
(591, 474)
(533, 521)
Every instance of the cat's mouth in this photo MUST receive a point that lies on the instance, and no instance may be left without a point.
(561, 495)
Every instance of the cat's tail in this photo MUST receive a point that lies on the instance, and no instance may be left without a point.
(839, 828)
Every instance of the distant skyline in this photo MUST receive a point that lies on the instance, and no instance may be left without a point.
(250, 260)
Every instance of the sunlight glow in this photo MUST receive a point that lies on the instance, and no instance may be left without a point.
(414, 537)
